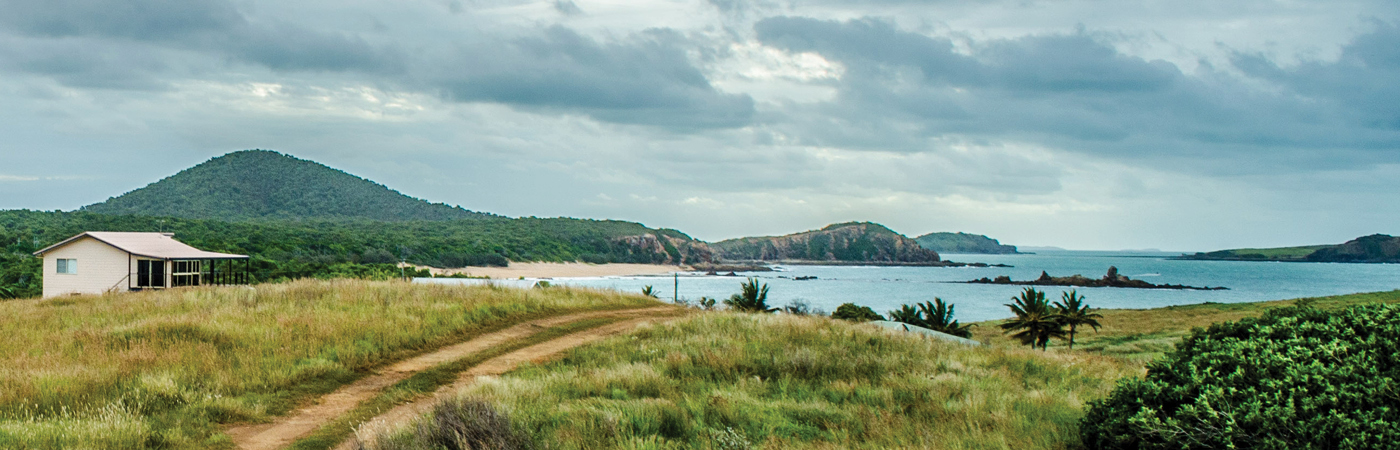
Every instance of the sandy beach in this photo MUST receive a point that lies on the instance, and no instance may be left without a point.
(559, 270)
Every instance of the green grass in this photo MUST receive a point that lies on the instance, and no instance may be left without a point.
(721, 380)
(1265, 254)
(1142, 335)
(165, 369)
(426, 382)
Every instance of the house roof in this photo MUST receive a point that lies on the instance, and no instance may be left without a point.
(150, 245)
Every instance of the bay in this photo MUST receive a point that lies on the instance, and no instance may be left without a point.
(885, 288)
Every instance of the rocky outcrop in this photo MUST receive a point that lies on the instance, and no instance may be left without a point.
(1110, 279)
(845, 242)
(664, 249)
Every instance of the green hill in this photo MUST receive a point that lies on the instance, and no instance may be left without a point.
(964, 243)
(1376, 248)
(842, 242)
(262, 184)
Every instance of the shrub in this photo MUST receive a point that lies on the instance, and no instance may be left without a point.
(458, 425)
(1293, 378)
(856, 313)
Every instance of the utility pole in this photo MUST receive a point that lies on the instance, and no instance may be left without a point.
(676, 289)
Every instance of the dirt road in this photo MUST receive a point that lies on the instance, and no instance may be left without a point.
(288, 429)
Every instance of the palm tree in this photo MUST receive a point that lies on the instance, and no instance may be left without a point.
(1074, 312)
(751, 298)
(938, 316)
(907, 314)
(1035, 322)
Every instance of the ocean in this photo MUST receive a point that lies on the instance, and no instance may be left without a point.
(886, 288)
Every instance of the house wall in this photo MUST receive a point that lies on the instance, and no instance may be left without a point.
(100, 268)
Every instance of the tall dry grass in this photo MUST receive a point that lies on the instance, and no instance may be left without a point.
(163, 369)
(727, 380)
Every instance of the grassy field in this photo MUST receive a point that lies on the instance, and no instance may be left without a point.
(162, 369)
(726, 380)
(1140, 335)
(729, 380)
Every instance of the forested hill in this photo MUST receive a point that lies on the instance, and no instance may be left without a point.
(1376, 248)
(846, 242)
(262, 184)
(964, 243)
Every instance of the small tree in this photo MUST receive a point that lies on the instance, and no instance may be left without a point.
(1035, 322)
(1074, 313)
(753, 297)
(798, 307)
(649, 292)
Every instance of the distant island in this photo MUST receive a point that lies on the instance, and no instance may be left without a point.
(1376, 248)
(862, 242)
(1110, 279)
(964, 243)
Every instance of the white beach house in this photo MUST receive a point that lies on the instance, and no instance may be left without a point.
(106, 261)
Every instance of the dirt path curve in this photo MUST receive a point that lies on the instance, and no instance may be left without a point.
(496, 366)
(287, 429)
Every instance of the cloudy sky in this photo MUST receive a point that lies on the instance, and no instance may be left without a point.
(1092, 124)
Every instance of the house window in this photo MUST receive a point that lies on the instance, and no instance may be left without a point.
(67, 266)
(186, 273)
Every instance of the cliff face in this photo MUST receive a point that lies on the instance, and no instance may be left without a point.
(664, 249)
(847, 242)
(1376, 248)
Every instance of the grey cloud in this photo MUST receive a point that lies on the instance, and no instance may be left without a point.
(288, 47)
(646, 79)
(567, 7)
(213, 28)
(1074, 92)
(135, 19)
(85, 63)
(1361, 83)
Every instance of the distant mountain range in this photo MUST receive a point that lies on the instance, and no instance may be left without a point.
(277, 190)
(964, 243)
(262, 184)
(1376, 248)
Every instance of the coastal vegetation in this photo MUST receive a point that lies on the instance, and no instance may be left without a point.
(752, 298)
(1295, 377)
(964, 243)
(1074, 313)
(164, 369)
(730, 380)
(1142, 335)
(855, 313)
(1035, 321)
(936, 315)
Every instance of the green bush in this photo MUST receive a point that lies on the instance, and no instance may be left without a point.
(856, 313)
(1294, 378)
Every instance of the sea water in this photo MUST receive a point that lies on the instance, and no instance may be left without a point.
(886, 288)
